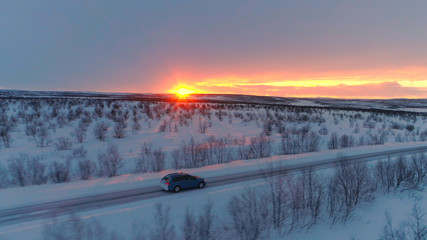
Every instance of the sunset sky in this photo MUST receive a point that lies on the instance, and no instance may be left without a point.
(328, 48)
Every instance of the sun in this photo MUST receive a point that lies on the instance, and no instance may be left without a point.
(183, 92)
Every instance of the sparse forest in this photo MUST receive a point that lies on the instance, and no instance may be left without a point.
(79, 139)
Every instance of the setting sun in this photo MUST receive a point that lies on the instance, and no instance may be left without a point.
(183, 92)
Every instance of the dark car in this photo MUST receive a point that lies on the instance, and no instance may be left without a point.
(177, 181)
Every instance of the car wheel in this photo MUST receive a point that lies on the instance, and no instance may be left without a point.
(201, 184)
(177, 189)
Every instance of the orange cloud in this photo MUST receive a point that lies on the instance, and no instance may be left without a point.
(400, 83)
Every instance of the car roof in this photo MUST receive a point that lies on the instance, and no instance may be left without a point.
(177, 174)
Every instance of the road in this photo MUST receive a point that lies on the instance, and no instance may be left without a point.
(57, 208)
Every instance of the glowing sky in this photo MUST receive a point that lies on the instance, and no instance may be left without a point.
(328, 48)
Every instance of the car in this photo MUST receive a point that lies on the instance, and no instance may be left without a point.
(177, 181)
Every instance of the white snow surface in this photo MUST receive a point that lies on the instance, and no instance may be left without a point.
(369, 219)
(367, 222)
(18, 196)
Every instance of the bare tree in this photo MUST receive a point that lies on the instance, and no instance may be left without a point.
(110, 162)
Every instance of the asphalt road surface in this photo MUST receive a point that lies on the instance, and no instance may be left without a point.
(57, 208)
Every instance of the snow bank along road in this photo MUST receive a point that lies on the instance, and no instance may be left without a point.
(60, 207)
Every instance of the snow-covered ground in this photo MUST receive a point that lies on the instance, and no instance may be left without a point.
(36, 128)
(19, 196)
(235, 128)
(366, 223)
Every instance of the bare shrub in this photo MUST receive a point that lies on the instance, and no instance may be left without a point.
(323, 130)
(417, 223)
(76, 228)
(6, 127)
(260, 147)
(59, 172)
(189, 226)
(120, 128)
(203, 126)
(63, 143)
(417, 171)
(40, 132)
(135, 121)
(79, 153)
(390, 232)
(25, 171)
(110, 162)
(4, 177)
(206, 223)
(385, 175)
(313, 197)
(150, 161)
(267, 127)
(158, 160)
(333, 141)
(86, 169)
(163, 229)
(350, 186)
(143, 162)
(415, 227)
(36, 170)
(248, 215)
(79, 132)
(163, 126)
(202, 228)
(100, 130)
(18, 171)
(190, 154)
(346, 141)
(278, 198)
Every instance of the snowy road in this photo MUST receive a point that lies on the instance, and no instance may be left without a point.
(56, 208)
